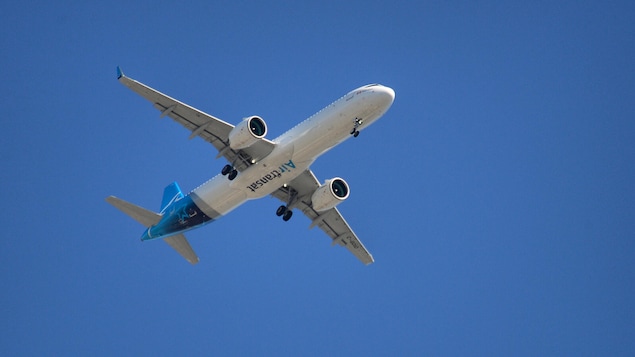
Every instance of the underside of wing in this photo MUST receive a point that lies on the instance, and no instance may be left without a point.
(209, 128)
(329, 221)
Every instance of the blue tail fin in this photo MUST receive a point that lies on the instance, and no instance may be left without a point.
(171, 194)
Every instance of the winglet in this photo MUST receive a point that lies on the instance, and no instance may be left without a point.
(119, 72)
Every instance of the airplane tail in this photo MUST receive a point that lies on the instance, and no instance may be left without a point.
(148, 218)
(171, 194)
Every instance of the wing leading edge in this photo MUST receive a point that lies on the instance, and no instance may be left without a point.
(330, 221)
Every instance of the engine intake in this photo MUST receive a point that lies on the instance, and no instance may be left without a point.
(329, 195)
(247, 132)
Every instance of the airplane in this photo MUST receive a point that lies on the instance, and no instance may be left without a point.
(259, 167)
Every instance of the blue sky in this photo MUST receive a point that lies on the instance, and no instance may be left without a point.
(496, 195)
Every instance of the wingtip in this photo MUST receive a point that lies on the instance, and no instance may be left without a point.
(119, 72)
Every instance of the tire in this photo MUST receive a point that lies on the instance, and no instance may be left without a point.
(232, 175)
(356, 134)
(287, 215)
(226, 169)
(281, 210)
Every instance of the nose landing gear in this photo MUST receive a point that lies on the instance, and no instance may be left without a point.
(358, 123)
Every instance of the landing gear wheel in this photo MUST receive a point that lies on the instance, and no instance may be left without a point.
(281, 210)
(287, 215)
(356, 134)
(353, 131)
(232, 175)
(226, 169)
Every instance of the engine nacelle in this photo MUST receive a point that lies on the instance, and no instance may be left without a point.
(247, 133)
(329, 195)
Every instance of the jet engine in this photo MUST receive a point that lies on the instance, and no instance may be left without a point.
(330, 194)
(247, 132)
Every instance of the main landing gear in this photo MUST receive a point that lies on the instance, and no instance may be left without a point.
(285, 212)
(229, 171)
(358, 123)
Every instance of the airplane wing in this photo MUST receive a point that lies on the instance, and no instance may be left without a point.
(331, 221)
(209, 128)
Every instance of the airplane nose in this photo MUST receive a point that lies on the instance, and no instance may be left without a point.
(387, 95)
(391, 93)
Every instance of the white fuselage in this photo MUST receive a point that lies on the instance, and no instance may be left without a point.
(295, 151)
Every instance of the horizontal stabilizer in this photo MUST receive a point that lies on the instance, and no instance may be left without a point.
(181, 245)
(139, 214)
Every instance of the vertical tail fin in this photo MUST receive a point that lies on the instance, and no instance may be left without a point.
(171, 194)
